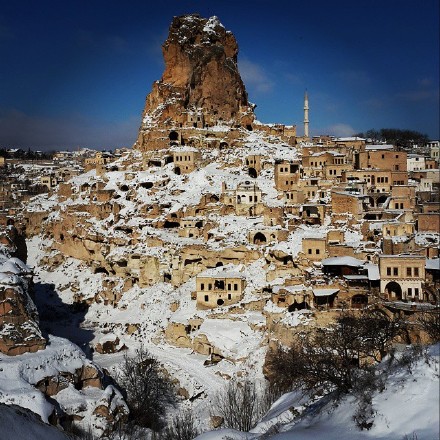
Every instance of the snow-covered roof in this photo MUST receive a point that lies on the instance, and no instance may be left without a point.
(342, 261)
(356, 277)
(379, 147)
(373, 271)
(324, 292)
(229, 271)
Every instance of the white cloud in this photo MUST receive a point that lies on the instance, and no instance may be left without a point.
(255, 76)
(340, 129)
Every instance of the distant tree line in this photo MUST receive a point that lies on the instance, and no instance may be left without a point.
(25, 154)
(403, 138)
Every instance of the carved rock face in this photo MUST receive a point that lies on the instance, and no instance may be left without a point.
(19, 330)
(201, 86)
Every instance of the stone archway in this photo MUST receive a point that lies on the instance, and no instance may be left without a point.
(259, 238)
(381, 200)
(394, 290)
(173, 136)
(252, 173)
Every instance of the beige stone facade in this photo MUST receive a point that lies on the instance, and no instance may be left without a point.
(402, 277)
(219, 287)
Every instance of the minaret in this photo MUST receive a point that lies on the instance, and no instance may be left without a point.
(306, 115)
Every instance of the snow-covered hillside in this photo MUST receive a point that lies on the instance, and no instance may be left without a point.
(407, 409)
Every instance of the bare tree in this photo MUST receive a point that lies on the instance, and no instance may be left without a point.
(182, 427)
(429, 321)
(240, 405)
(333, 358)
(148, 391)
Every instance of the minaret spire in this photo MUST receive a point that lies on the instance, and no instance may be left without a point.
(306, 115)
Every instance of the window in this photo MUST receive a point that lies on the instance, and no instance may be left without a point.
(416, 291)
(395, 271)
(202, 286)
(235, 286)
(209, 286)
(229, 286)
(416, 271)
(409, 291)
(317, 251)
(206, 298)
(309, 251)
(408, 272)
(388, 271)
(229, 296)
(383, 156)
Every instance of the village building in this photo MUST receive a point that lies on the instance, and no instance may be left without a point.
(185, 159)
(402, 277)
(220, 286)
(286, 174)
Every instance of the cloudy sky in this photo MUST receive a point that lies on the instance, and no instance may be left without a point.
(76, 73)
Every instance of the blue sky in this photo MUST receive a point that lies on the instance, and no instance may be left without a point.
(76, 73)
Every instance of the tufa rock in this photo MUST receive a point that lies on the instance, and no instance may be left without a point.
(200, 87)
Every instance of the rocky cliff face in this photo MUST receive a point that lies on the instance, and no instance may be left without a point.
(200, 87)
(19, 330)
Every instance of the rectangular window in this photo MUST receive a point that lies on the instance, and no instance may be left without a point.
(229, 296)
(206, 298)
(416, 271)
(209, 286)
(317, 251)
(408, 272)
(388, 271)
(409, 291)
(202, 286)
(250, 198)
(395, 271)
(309, 251)
(235, 286)
(229, 286)
(416, 291)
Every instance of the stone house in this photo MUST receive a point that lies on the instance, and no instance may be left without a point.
(191, 227)
(292, 297)
(253, 162)
(286, 174)
(248, 199)
(267, 235)
(313, 214)
(50, 181)
(382, 157)
(415, 162)
(403, 197)
(402, 277)
(314, 248)
(219, 286)
(428, 222)
(185, 159)
(345, 202)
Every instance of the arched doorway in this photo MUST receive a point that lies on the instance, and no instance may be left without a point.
(174, 136)
(177, 171)
(381, 200)
(252, 173)
(393, 290)
(259, 238)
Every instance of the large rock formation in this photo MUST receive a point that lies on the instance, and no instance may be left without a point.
(200, 87)
(19, 330)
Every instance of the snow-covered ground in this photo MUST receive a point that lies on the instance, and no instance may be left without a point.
(408, 409)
